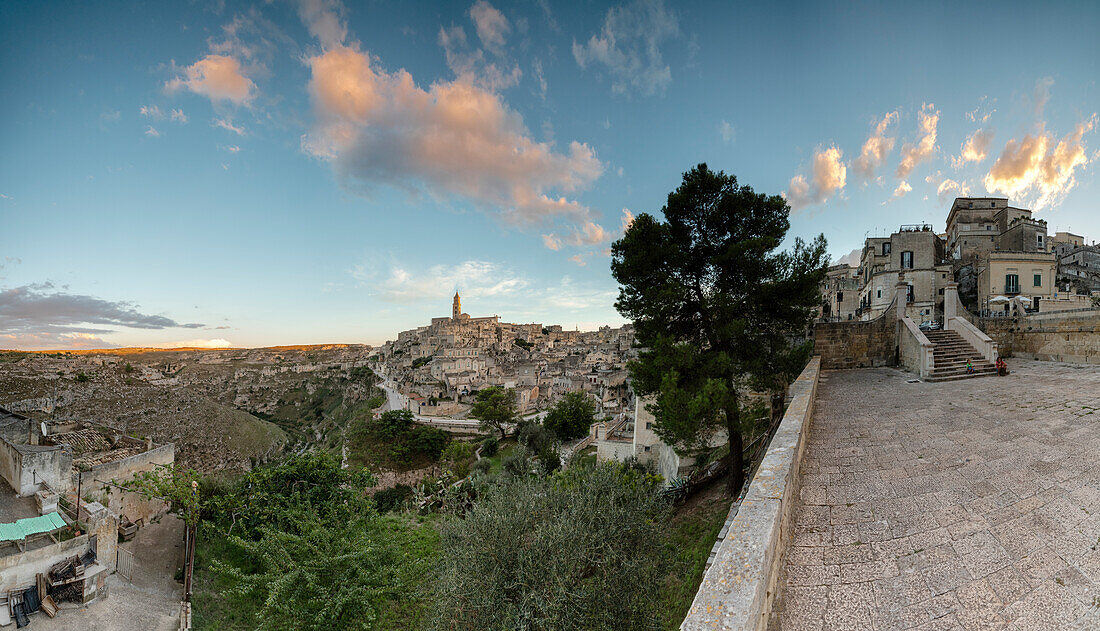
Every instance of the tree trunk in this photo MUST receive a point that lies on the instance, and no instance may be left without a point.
(779, 397)
(502, 434)
(735, 479)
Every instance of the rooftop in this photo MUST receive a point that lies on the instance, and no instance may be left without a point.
(963, 505)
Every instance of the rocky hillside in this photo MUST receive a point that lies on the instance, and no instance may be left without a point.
(224, 409)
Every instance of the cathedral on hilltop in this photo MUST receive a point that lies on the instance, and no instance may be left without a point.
(463, 318)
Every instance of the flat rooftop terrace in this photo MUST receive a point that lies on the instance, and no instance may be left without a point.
(951, 506)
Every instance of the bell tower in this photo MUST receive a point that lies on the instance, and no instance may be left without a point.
(456, 308)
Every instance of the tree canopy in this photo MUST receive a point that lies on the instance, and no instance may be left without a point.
(571, 551)
(495, 407)
(299, 545)
(572, 416)
(716, 304)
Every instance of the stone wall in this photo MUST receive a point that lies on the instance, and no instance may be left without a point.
(739, 588)
(26, 467)
(19, 569)
(858, 343)
(1067, 336)
(123, 503)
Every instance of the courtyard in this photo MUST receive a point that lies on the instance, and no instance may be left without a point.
(951, 506)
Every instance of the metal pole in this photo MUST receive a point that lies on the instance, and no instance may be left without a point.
(79, 479)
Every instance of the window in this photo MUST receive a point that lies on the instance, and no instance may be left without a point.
(649, 425)
(989, 227)
(878, 294)
(908, 293)
(885, 248)
(907, 260)
(1012, 283)
(1039, 241)
(840, 296)
(1038, 280)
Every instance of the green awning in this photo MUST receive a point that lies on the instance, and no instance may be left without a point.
(24, 528)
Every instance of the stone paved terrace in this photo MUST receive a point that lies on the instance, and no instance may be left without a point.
(950, 506)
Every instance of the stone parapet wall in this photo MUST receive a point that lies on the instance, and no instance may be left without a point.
(739, 588)
(135, 506)
(857, 343)
(1067, 336)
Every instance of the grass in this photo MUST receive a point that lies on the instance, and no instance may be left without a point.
(586, 456)
(692, 532)
(505, 450)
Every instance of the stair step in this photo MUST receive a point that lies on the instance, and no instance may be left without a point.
(935, 379)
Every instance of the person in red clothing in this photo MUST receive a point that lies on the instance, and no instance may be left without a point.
(1002, 367)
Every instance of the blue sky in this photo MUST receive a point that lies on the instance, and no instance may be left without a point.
(306, 172)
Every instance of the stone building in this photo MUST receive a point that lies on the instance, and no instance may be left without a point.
(913, 254)
(840, 293)
(999, 253)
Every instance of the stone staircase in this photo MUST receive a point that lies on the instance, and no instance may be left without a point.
(950, 352)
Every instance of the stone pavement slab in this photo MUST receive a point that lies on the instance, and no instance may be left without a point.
(967, 505)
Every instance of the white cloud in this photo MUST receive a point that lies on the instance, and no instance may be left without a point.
(1041, 94)
(178, 116)
(198, 343)
(974, 149)
(39, 316)
(586, 234)
(228, 125)
(875, 149)
(151, 111)
(474, 278)
(829, 176)
(914, 154)
(152, 131)
(578, 259)
(540, 78)
(217, 77)
(628, 47)
(627, 221)
(492, 26)
(232, 148)
(950, 189)
(470, 65)
(983, 112)
(727, 132)
(1039, 168)
(325, 21)
(902, 189)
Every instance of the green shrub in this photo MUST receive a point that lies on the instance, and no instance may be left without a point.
(457, 457)
(572, 551)
(490, 446)
(481, 466)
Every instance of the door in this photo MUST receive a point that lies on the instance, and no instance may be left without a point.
(125, 560)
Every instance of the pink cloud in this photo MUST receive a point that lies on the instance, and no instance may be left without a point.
(217, 77)
(913, 154)
(1039, 166)
(453, 138)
